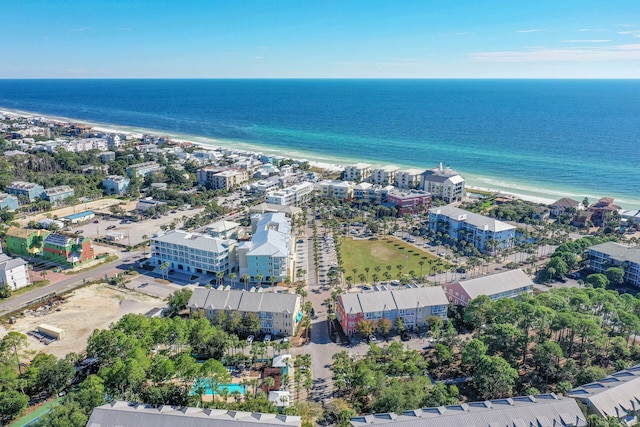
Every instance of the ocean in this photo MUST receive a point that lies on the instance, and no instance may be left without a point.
(538, 138)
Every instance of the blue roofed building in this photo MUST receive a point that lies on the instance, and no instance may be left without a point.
(79, 218)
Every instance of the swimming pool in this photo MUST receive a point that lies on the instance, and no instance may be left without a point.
(231, 387)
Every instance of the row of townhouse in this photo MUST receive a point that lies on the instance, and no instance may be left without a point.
(612, 254)
(54, 247)
(487, 234)
(74, 145)
(279, 313)
(441, 182)
(293, 195)
(413, 305)
(141, 170)
(8, 202)
(32, 191)
(416, 304)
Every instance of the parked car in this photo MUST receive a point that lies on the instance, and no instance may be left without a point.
(78, 232)
(111, 227)
(250, 339)
(372, 338)
(267, 338)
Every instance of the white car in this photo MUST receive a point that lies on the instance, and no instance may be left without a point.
(250, 339)
(267, 338)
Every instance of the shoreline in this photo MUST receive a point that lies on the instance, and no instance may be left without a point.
(481, 183)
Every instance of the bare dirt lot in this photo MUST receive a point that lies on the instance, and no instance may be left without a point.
(83, 311)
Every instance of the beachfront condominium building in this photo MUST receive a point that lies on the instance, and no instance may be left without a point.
(341, 190)
(193, 252)
(8, 202)
(409, 201)
(291, 196)
(446, 184)
(488, 235)
(358, 173)
(368, 193)
(385, 175)
(268, 253)
(14, 272)
(116, 184)
(508, 284)
(279, 313)
(610, 254)
(413, 305)
(217, 179)
(57, 195)
(225, 230)
(28, 191)
(409, 178)
(142, 169)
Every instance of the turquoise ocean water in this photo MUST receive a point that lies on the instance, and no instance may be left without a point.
(544, 138)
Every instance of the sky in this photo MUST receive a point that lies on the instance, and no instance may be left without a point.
(320, 39)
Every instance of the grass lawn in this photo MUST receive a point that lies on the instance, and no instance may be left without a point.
(389, 251)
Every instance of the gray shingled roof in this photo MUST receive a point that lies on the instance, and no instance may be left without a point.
(378, 301)
(252, 302)
(546, 410)
(123, 414)
(496, 283)
(613, 395)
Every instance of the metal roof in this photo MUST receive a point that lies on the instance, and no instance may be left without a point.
(251, 302)
(612, 396)
(496, 283)
(397, 299)
(545, 410)
(479, 221)
(618, 252)
(198, 241)
(123, 414)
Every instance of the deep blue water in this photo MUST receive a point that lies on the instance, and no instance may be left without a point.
(539, 137)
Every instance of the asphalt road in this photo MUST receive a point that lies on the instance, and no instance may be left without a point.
(73, 281)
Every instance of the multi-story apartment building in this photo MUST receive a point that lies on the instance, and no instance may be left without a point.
(107, 156)
(414, 305)
(291, 196)
(279, 313)
(224, 230)
(116, 184)
(358, 173)
(193, 252)
(508, 284)
(446, 184)
(8, 202)
(369, 193)
(409, 201)
(268, 253)
(216, 179)
(56, 195)
(409, 178)
(612, 254)
(14, 272)
(142, 169)
(488, 235)
(385, 175)
(29, 190)
(341, 190)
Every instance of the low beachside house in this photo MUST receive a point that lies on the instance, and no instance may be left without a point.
(14, 272)
(508, 284)
(8, 202)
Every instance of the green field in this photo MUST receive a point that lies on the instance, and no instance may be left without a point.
(34, 415)
(387, 252)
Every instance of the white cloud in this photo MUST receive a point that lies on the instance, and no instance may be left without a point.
(585, 41)
(629, 52)
(633, 33)
(593, 30)
(81, 29)
(530, 31)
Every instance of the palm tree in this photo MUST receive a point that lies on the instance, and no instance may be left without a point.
(259, 278)
(269, 382)
(273, 280)
(232, 277)
(246, 277)
(220, 276)
(421, 263)
(164, 267)
(367, 270)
